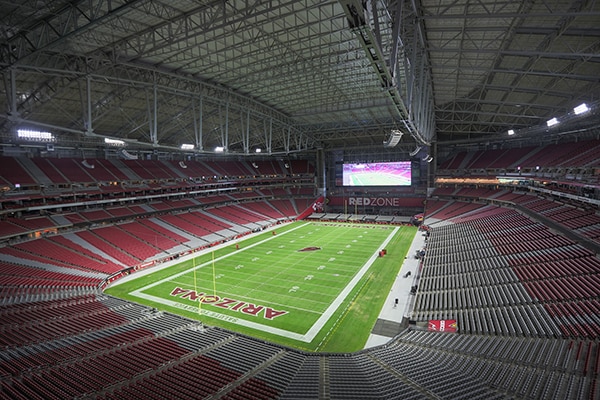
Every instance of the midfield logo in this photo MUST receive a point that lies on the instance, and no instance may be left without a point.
(311, 248)
(229, 304)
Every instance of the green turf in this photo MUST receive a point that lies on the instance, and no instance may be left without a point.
(321, 300)
(378, 179)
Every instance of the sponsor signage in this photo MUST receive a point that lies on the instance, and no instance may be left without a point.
(442, 325)
(378, 201)
(374, 201)
(317, 206)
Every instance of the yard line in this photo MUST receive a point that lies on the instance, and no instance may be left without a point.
(284, 270)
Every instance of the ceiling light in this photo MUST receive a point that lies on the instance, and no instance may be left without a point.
(258, 150)
(511, 132)
(552, 122)
(415, 151)
(219, 149)
(186, 146)
(580, 109)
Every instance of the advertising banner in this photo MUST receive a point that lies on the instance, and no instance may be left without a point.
(442, 325)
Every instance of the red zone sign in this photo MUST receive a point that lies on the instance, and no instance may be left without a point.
(228, 304)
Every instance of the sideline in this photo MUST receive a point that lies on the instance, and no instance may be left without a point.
(393, 313)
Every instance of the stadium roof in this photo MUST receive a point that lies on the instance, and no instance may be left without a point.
(287, 76)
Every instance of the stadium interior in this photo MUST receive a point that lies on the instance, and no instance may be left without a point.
(136, 131)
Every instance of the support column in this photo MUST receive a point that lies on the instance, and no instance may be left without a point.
(321, 174)
(89, 129)
(245, 131)
(198, 124)
(12, 97)
(226, 138)
(153, 115)
(269, 135)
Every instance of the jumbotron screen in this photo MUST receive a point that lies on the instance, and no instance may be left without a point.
(377, 174)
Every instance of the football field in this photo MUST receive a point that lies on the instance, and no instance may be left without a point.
(373, 178)
(295, 285)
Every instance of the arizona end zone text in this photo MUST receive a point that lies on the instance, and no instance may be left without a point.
(229, 304)
(374, 201)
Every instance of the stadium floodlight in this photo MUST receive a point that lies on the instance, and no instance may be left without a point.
(258, 150)
(552, 122)
(580, 109)
(219, 149)
(114, 142)
(34, 135)
(187, 146)
(511, 132)
(394, 138)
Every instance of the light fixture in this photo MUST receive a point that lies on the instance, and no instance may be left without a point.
(186, 146)
(114, 142)
(36, 135)
(580, 109)
(415, 151)
(511, 132)
(394, 138)
(552, 122)
(258, 150)
(219, 149)
(86, 164)
(128, 156)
